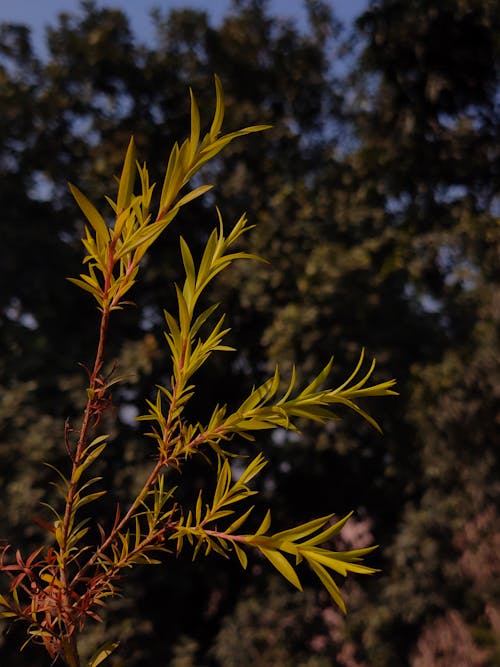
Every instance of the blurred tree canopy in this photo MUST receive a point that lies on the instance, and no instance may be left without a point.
(376, 198)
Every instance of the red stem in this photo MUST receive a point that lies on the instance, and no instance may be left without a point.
(71, 653)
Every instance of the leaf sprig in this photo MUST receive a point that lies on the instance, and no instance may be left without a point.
(114, 253)
(261, 410)
(63, 584)
(200, 529)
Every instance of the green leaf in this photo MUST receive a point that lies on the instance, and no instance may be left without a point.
(282, 565)
(266, 523)
(219, 109)
(318, 381)
(259, 395)
(76, 536)
(329, 584)
(95, 291)
(223, 482)
(242, 557)
(168, 191)
(253, 469)
(97, 441)
(187, 260)
(198, 508)
(356, 555)
(353, 374)
(239, 521)
(127, 178)
(88, 499)
(309, 411)
(356, 408)
(195, 125)
(91, 213)
(146, 235)
(329, 532)
(202, 318)
(102, 653)
(89, 459)
(303, 530)
(341, 565)
(184, 317)
(197, 192)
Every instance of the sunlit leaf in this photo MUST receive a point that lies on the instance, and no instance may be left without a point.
(127, 178)
(91, 213)
(282, 565)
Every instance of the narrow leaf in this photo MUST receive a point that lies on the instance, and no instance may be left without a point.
(127, 178)
(102, 653)
(197, 192)
(239, 521)
(219, 109)
(329, 584)
(282, 565)
(325, 535)
(195, 124)
(91, 213)
(303, 530)
(242, 557)
(264, 526)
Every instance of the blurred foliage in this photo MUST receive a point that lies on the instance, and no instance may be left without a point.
(377, 205)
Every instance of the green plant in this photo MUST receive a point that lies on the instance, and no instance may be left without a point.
(61, 585)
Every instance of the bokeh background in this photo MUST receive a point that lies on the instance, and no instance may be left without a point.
(376, 197)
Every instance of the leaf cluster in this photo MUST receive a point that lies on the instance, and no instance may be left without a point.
(114, 252)
(58, 588)
(200, 528)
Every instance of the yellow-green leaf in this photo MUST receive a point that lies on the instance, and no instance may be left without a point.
(282, 565)
(170, 185)
(91, 213)
(239, 521)
(127, 178)
(102, 653)
(195, 125)
(303, 530)
(219, 109)
(242, 557)
(264, 526)
(88, 499)
(197, 192)
(329, 584)
(187, 260)
(329, 532)
(95, 291)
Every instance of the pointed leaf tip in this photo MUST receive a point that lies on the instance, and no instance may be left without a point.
(127, 179)
(91, 213)
(102, 653)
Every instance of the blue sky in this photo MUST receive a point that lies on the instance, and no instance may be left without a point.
(38, 13)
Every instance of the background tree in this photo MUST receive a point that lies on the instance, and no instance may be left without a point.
(430, 146)
(377, 204)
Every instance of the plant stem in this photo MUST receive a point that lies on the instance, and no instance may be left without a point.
(71, 652)
(116, 529)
